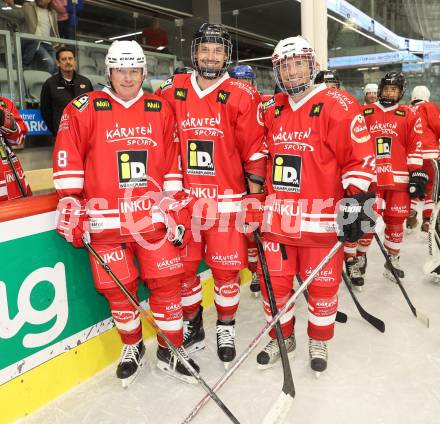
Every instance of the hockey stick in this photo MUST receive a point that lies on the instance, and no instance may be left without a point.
(340, 316)
(281, 407)
(12, 166)
(420, 316)
(239, 360)
(151, 321)
(375, 322)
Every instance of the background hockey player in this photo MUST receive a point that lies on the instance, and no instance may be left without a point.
(396, 133)
(370, 94)
(115, 152)
(314, 134)
(12, 133)
(329, 78)
(222, 144)
(246, 73)
(429, 113)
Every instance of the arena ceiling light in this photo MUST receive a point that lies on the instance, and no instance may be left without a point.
(352, 28)
(124, 35)
(255, 59)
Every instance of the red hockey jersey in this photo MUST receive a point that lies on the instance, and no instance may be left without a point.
(221, 132)
(318, 147)
(119, 156)
(9, 188)
(430, 115)
(397, 138)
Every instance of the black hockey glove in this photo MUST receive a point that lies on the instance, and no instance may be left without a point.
(417, 184)
(355, 216)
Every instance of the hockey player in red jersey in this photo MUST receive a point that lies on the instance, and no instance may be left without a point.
(429, 113)
(115, 155)
(246, 73)
(222, 145)
(319, 148)
(397, 136)
(12, 133)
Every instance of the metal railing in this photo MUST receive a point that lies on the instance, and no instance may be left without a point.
(16, 66)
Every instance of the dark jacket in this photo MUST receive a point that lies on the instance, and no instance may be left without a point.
(56, 93)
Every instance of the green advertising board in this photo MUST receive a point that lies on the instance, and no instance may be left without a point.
(48, 303)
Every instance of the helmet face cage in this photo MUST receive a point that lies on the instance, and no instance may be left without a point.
(210, 33)
(294, 74)
(391, 78)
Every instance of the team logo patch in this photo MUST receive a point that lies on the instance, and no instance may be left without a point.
(222, 96)
(167, 84)
(132, 168)
(316, 109)
(268, 103)
(400, 112)
(368, 111)
(383, 147)
(152, 105)
(81, 103)
(102, 104)
(286, 173)
(358, 129)
(278, 110)
(200, 157)
(2, 103)
(180, 93)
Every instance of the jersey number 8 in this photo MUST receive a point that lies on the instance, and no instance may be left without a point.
(62, 158)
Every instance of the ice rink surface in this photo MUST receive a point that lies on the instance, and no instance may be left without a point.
(372, 378)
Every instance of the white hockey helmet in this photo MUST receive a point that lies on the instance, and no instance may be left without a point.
(125, 54)
(370, 88)
(298, 48)
(420, 92)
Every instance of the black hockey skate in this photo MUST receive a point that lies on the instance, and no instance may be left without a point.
(394, 259)
(255, 284)
(354, 273)
(362, 264)
(193, 333)
(170, 364)
(411, 221)
(132, 360)
(424, 228)
(225, 341)
(270, 355)
(318, 355)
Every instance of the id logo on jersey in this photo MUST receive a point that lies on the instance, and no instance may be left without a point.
(286, 173)
(132, 168)
(200, 157)
(383, 147)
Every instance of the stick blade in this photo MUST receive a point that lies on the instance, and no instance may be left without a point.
(280, 409)
(423, 318)
(374, 321)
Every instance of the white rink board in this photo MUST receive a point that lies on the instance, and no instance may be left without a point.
(372, 378)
